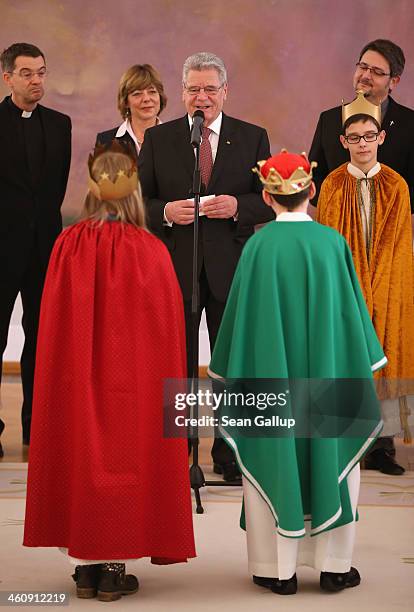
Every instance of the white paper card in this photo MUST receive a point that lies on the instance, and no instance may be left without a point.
(202, 199)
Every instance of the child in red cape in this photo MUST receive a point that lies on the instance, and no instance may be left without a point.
(104, 485)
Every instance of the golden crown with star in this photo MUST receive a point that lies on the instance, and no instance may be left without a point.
(125, 183)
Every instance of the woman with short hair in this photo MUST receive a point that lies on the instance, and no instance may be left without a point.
(141, 99)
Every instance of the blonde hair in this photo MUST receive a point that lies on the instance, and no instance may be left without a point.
(139, 76)
(130, 209)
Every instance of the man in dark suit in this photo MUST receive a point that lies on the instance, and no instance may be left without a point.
(229, 150)
(378, 71)
(34, 168)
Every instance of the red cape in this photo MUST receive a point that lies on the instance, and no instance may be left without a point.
(103, 482)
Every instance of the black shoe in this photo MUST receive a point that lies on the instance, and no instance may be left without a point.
(380, 459)
(282, 587)
(285, 587)
(329, 581)
(114, 582)
(230, 471)
(87, 578)
(265, 582)
(2, 426)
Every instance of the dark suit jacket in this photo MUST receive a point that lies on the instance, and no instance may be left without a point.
(27, 210)
(109, 135)
(396, 152)
(166, 164)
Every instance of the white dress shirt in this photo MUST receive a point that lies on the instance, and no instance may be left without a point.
(293, 216)
(215, 128)
(214, 136)
(127, 127)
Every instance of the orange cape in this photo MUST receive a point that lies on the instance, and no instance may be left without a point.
(386, 274)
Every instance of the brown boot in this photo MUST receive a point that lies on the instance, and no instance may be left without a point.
(114, 583)
(87, 578)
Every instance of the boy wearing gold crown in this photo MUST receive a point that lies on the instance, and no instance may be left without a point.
(284, 320)
(111, 330)
(368, 203)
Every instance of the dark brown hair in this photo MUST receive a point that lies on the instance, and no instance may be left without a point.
(359, 117)
(390, 51)
(9, 55)
(293, 200)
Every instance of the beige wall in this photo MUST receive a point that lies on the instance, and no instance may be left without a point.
(287, 59)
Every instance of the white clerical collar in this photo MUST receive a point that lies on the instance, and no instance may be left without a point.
(293, 216)
(214, 127)
(25, 114)
(357, 173)
(127, 127)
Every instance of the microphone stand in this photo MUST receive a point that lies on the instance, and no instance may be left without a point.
(196, 473)
(197, 479)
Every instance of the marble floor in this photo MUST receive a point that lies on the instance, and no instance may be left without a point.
(218, 578)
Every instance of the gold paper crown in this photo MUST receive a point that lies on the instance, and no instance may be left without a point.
(274, 183)
(125, 183)
(361, 106)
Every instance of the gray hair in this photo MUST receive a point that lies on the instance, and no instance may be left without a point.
(205, 61)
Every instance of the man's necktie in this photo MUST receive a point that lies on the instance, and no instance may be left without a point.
(206, 157)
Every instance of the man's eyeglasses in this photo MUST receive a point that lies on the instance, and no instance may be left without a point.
(372, 69)
(28, 75)
(355, 138)
(210, 90)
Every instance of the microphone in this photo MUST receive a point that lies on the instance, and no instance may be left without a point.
(198, 119)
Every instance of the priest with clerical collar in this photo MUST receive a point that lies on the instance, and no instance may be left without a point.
(34, 167)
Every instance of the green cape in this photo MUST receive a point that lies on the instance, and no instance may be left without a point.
(296, 311)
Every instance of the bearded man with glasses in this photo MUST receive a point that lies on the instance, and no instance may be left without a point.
(368, 203)
(34, 168)
(377, 73)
